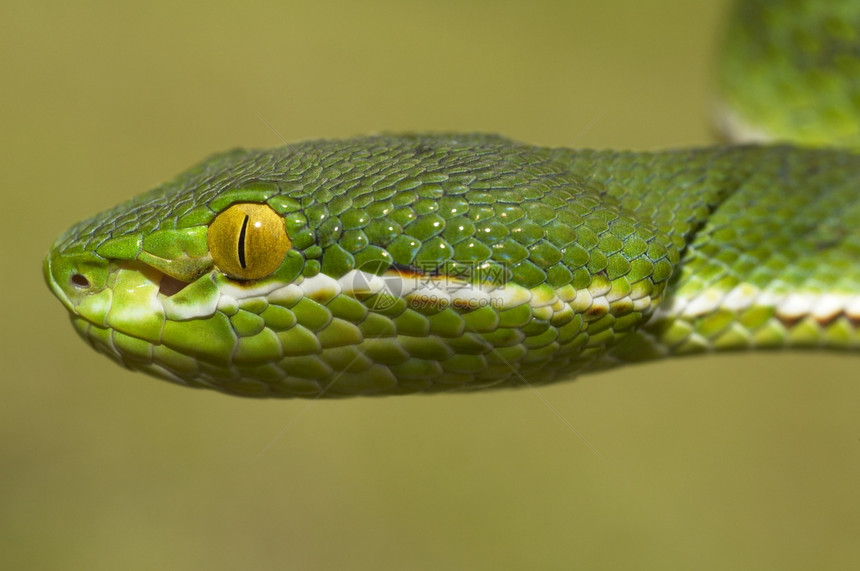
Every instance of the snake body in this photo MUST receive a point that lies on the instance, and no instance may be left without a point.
(789, 70)
(427, 263)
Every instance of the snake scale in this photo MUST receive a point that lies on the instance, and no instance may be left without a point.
(425, 263)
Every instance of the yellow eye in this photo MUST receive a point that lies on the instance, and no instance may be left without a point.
(248, 241)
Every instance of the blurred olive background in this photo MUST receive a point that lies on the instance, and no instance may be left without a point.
(746, 461)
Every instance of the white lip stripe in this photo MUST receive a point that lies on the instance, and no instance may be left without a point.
(435, 289)
(793, 306)
(418, 289)
(443, 289)
(260, 289)
(735, 129)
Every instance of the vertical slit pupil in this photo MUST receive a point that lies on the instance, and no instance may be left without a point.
(242, 242)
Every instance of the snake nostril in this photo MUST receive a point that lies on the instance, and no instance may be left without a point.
(80, 281)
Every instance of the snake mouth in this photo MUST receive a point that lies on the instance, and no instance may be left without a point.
(169, 286)
(128, 296)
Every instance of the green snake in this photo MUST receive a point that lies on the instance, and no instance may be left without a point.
(456, 262)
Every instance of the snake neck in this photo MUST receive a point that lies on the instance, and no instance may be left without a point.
(768, 238)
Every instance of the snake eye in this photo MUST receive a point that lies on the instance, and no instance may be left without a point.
(248, 241)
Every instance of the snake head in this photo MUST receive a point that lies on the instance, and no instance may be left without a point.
(378, 265)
